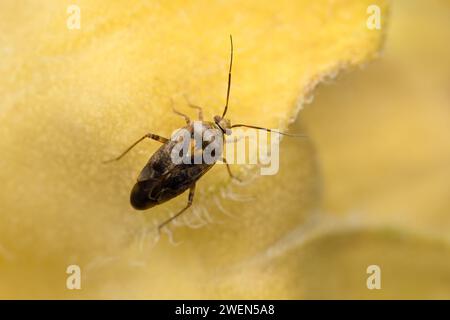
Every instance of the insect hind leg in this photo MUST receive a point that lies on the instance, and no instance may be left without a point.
(190, 200)
(148, 135)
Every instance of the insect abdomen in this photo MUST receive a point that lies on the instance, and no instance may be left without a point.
(148, 193)
(139, 197)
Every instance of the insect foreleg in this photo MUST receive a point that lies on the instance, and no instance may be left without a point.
(190, 200)
(186, 118)
(148, 135)
(200, 110)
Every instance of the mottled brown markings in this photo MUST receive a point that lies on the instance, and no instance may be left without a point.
(161, 179)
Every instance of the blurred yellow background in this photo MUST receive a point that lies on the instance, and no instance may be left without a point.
(368, 187)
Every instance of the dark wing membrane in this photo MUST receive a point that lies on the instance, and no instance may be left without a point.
(159, 164)
(178, 180)
(165, 179)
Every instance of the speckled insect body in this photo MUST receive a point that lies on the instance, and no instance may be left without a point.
(162, 179)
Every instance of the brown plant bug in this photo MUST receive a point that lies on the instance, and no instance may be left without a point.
(161, 179)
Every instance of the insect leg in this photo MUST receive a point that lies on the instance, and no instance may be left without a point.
(232, 176)
(148, 135)
(188, 121)
(190, 199)
(186, 118)
(200, 110)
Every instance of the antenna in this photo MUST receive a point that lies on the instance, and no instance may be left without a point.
(270, 130)
(229, 78)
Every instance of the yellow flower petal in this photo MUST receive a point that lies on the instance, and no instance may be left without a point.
(333, 265)
(73, 98)
(383, 134)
